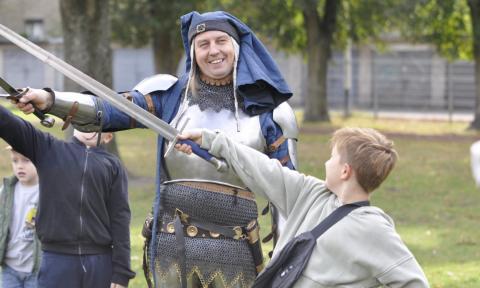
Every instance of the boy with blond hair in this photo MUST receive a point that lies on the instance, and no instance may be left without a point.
(19, 246)
(362, 249)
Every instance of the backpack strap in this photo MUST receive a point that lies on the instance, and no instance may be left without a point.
(284, 270)
(336, 216)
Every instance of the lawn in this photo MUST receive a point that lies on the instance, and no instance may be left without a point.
(430, 194)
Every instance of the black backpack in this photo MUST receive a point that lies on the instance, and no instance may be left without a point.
(286, 268)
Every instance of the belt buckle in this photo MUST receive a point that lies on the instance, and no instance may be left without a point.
(238, 233)
(183, 216)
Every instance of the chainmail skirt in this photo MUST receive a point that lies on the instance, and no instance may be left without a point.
(211, 262)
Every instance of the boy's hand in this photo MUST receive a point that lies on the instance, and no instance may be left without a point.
(39, 97)
(194, 135)
(115, 285)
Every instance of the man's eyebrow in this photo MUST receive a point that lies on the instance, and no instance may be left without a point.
(201, 41)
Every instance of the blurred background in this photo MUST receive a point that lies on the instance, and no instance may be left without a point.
(370, 55)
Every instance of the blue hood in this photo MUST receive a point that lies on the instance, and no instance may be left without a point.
(259, 81)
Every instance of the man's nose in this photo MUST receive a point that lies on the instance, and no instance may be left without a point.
(214, 49)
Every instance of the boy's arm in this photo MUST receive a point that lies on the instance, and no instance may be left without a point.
(21, 135)
(395, 264)
(262, 175)
(119, 212)
(408, 274)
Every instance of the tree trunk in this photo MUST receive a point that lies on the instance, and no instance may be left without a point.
(167, 52)
(167, 43)
(475, 14)
(319, 39)
(86, 39)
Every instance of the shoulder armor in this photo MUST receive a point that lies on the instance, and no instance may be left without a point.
(284, 116)
(159, 82)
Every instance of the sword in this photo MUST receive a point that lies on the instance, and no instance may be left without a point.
(149, 120)
(16, 94)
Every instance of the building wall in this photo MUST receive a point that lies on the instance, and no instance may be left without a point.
(15, 13)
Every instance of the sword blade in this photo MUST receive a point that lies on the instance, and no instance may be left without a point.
(149, 120)
(8, 88)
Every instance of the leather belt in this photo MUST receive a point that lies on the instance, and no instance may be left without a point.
(201, 229)
(192, 231)
(219, 188)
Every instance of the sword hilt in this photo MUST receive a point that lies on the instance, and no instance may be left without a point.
(45, 120)
(220, 165)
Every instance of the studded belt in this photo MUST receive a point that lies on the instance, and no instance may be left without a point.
(197, 228)
(195, 231)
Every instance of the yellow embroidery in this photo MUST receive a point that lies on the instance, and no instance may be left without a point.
(238, 281)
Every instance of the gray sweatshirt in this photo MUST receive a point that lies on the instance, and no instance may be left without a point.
(361, 250)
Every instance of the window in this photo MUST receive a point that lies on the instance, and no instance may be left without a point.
(34, 29)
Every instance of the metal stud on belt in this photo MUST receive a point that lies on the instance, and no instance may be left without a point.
(192, 231)
(170, 227)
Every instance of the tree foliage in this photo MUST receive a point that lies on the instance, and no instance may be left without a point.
(314, 28)
(141, 22)
(445, 24)
(452, 26)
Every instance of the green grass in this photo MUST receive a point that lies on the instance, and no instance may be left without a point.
(430, 194)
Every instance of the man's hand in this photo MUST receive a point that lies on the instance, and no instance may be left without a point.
(115, 285)
(195, 135)
(39, 97)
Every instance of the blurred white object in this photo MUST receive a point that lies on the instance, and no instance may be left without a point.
(475, 161)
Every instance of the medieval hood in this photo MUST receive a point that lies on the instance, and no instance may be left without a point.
(259, 80)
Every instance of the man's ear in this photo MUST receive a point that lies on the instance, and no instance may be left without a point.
(346, 171)
(107, 137)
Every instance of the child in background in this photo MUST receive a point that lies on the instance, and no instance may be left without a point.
(83, 220)
(19, 246)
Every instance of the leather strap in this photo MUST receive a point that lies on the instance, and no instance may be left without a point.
(150, 105)
(146, 270)
(274, 146)
(68, 119)
(336, 216)
(285, 160)
(182, 258)
(129, 97)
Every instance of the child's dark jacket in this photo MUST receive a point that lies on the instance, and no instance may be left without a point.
(83, 203)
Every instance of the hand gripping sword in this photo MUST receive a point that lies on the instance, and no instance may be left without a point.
(149, 120)
(16, 94)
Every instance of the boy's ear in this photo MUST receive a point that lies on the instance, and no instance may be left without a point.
(346, 171)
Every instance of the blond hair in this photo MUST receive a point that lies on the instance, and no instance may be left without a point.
(368, 152)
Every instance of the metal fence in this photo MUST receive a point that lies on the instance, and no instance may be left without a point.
(404, 80)
(410, 78)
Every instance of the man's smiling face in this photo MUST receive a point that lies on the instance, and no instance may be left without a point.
(214, 54)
